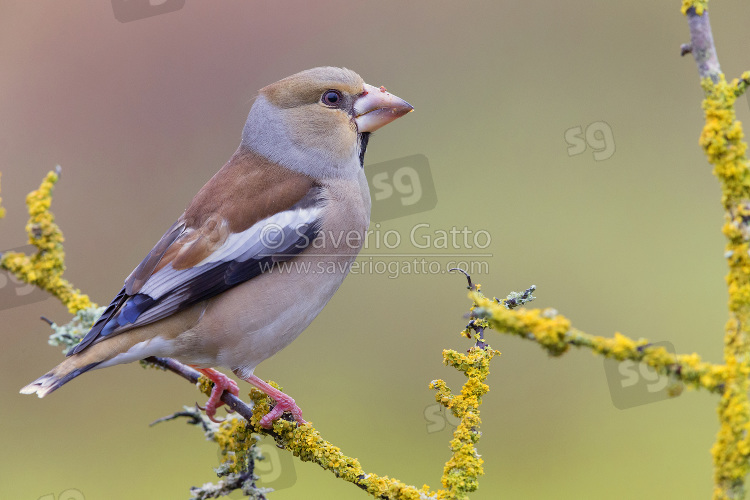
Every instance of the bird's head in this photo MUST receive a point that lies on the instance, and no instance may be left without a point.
(318, 121)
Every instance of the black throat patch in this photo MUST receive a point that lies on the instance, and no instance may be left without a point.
(364, 137)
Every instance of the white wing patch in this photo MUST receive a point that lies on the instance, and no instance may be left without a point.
(278, 234)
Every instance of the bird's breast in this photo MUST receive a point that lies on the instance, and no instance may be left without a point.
(346, 216)
(252, 321)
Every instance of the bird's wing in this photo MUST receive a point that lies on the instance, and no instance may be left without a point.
(209, 250)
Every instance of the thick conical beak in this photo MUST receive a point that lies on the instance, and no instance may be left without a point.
(378, 107)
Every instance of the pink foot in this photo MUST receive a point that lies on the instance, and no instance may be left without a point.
(283, 403)
(221, 383)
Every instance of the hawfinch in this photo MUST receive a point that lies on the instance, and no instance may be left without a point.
(281, 221)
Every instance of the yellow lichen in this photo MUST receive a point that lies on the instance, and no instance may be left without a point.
(235, 440)
(461, 473)
(554, 333)
(46, 266)
(205, 385)
(306, 443)
(722, 139)
(699, 5)
(725, 149)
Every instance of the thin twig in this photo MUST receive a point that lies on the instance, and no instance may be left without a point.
(232, 401)
(702, 45)
(192, 375)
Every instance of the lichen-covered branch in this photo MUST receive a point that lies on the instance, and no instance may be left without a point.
(461, 473)
(238, 450)
(723, 142)
(46, 266)
(234, 436)
(556, 335)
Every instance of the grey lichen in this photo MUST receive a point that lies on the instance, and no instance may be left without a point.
(515, 299)
(70, 334)
(245, 482)
(234, 456)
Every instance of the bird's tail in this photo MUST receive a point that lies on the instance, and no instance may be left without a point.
(102, 353)
(60, 375)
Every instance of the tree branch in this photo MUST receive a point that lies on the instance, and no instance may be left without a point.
(702, 44)
(461, 472)
(725, 149)
(194, 376)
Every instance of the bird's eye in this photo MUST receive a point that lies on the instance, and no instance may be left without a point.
(331, 97)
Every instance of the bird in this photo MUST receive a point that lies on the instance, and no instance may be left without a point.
(260, 249)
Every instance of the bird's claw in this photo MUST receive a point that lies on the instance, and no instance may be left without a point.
(221, 383)
(210, 415)
(282, 405)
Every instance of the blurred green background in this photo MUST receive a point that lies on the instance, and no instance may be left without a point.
(141, 114)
